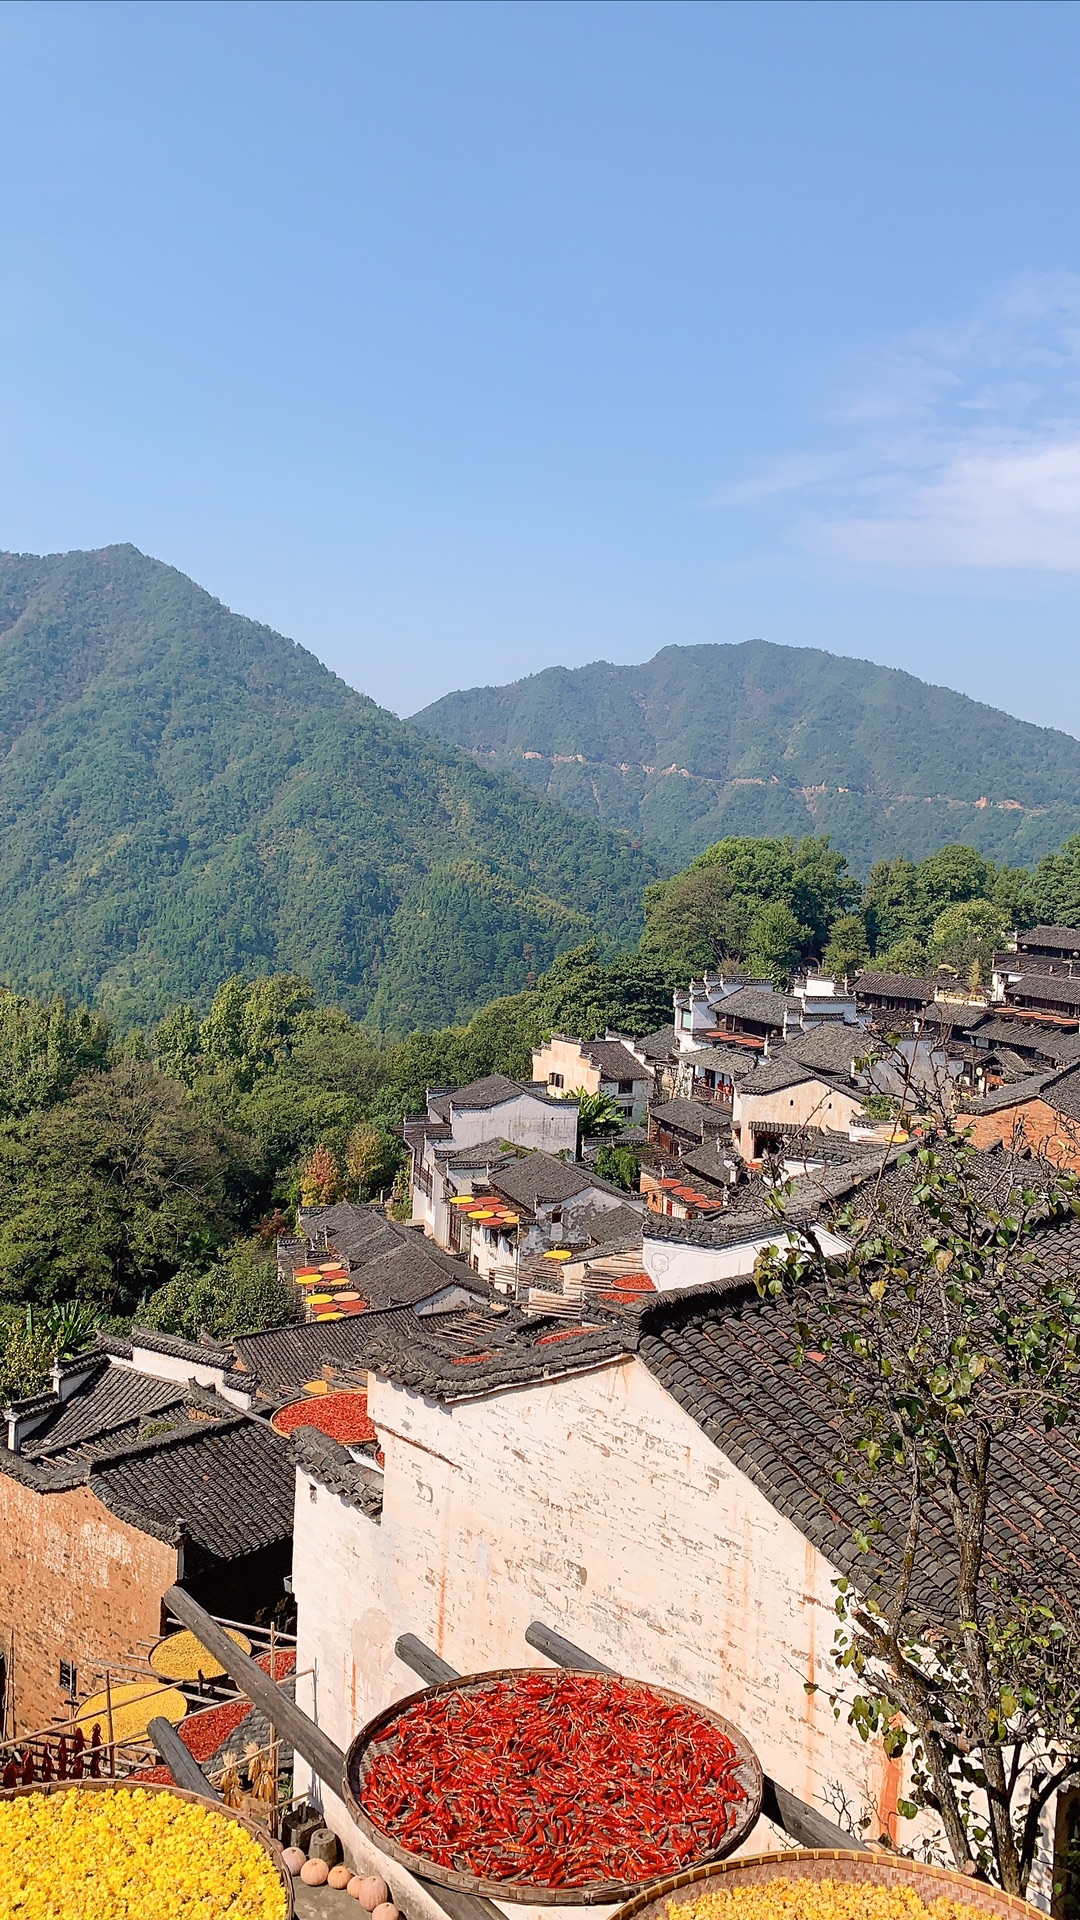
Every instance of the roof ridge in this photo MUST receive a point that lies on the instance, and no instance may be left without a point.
(177, 1436)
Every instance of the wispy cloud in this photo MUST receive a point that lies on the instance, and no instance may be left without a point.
(955, 448)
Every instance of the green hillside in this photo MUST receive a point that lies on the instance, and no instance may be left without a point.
(703, 742)
(185, 795)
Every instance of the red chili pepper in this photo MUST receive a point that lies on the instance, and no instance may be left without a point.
(554, 1780)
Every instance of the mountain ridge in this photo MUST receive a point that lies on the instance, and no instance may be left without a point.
(186, 794)
(704, 741)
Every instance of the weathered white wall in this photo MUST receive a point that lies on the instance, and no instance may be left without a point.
(672, 1264)
(596, 1504)
(549, 1124)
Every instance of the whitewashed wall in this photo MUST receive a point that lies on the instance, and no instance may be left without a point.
(596, 1504)
(673, 1264)
(550, 1124)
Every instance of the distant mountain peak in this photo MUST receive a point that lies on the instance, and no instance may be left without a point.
(186, 794)
(755, 737)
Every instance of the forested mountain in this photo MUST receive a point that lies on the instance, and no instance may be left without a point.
(185, 795)
(704, 742)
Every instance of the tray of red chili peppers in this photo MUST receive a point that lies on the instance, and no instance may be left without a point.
(562, 1789)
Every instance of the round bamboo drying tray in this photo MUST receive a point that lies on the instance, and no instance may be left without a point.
(594, 1893)
(872, 1868)
(268, 1844)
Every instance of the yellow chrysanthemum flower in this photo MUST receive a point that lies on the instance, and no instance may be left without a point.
(130, 1854)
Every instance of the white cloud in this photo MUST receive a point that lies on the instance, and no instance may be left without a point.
(956, 449)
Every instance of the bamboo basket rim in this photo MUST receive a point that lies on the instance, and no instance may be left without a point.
(529, 1892)
(814, 1863)
(266, 1840)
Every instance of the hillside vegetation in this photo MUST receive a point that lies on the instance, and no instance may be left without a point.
(186, 795)
(705, 742)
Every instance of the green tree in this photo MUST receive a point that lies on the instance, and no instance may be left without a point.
(620, 1165)
(944, 1341)
(110, 1191)
(907, 956)
(777, 943)
(241, 1293)
(44, 1049)
(891, 905)
(707, 915)
(253, 1023)
(30, 1343)
(1056, 886)
(691, 922)
(951, 875)
(966, 936)
(597, 1114)
(847, 948)
(372, 1157)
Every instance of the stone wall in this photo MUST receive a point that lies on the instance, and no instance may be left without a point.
(76, 1584)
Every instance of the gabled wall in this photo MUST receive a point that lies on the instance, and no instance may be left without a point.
(596, 1504)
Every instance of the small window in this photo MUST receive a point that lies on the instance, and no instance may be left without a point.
(626, 1086)
(555, 1080)
(69, 1677)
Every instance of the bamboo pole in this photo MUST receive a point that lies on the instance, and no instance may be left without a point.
(109, 1711)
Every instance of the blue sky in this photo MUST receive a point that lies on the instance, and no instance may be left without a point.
(458, 340)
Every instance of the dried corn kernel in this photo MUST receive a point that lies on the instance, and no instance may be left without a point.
(134, 1704)
(182, 1657)
(129, 1854)
(803, 1899)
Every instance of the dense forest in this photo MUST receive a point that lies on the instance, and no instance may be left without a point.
(186, 795)
(706, 742)
(148, 1171)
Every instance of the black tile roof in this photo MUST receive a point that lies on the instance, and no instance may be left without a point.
(613, 1060)
(1053, 988)
(727, 1361)
(230, 1483)
(333, 1466)
(696, 1117)
(735, 1062)
(1031, 1037)
(607, 1227)
(756, 1004)
(283, 1358)
(1015, 1094)
(492, 1091)
(199, 1354)
(774, 1074)
(1064, 939)
(658, 1046)
(453, 1356)
(540, 1179)
(409, 1274)
(833, 1048)
(110, 1401)
(731, 1228)
(894, 986)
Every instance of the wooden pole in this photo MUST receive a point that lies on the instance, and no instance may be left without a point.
(109, 1711)
(182, 1764)
(324, 1758)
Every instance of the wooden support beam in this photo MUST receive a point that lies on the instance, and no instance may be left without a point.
(562, 1653)
(800, 1821)
(324, 1758)
(300, 1733)
(181, 1763)
(424, 1663)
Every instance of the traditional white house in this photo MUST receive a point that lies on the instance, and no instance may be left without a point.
(603, 1066)
(489, 1114)
(658, 1488)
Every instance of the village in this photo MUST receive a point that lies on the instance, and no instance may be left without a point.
(548, 1420)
